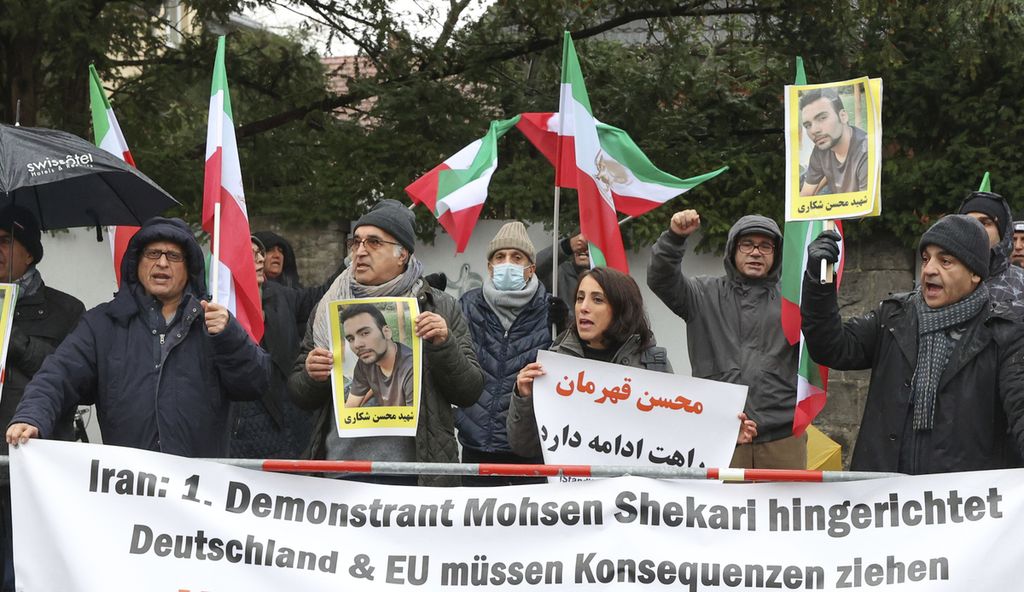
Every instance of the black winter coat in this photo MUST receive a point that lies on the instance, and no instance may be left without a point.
(41, 322)
(979, 408)
(171, 399)
(502, 354)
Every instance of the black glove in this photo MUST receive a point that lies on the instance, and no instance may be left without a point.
(825, 247)
(558, 314)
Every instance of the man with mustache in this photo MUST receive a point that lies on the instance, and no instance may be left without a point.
(384, 373)
(839, 162)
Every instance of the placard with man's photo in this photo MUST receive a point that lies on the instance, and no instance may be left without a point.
(833, 150)
(377, 366)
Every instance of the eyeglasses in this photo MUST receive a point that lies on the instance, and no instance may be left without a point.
(372, 243)
(747, 247)
(156, 254)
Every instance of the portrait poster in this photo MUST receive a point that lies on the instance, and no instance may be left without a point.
(595, 413)
(378, 366)
(834, 150)
(8, 298)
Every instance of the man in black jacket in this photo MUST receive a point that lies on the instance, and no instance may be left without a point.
(42, 318)
(947, 380)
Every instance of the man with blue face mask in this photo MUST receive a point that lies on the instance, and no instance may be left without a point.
(508, 321)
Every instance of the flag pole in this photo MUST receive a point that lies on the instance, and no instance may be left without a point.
(215, 254)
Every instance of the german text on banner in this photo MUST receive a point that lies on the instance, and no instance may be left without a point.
(594, 413)
(834, 150)
(89, 518)
(378, 365)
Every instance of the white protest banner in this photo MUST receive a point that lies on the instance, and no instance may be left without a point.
(593, 413)
(375, 379)
(94, 518)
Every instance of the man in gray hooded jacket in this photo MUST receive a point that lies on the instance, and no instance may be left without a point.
(1005, 281)
(734, 329)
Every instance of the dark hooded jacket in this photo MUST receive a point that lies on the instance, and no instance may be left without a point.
(734, 325)
(290, 270)
(157, 386)
(1005, 281)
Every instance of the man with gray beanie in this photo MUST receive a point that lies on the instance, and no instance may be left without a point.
(383, 265)
(947, 362)
(734, 329)
(509, 322)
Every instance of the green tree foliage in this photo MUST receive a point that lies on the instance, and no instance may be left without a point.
(697, 84)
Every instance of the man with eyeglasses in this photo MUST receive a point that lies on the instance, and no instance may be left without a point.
(1005, 281)
(734, 329)
(383, 265)
(159, 361)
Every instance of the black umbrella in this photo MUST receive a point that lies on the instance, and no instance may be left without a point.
(66, 181)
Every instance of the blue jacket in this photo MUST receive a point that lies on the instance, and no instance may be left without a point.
(171, 398)
(501, 355)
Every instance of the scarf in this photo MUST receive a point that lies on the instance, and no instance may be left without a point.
(934, 346)
(507, 304)
(345, 287)
(29, 282)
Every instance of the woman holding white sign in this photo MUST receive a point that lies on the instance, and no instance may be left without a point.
(611, 325)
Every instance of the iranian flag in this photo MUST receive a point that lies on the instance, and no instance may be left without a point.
(812, 379)
(107, 135)
(593, 178)
(637, 186)
(236, 284)
(455, 190)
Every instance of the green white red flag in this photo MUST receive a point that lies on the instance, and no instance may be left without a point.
(455, 190)
(107, 135)
(637, 186)
(812, 379)
(237, 288)
(578, 137)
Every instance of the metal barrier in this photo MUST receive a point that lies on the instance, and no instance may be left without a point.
(518, 470)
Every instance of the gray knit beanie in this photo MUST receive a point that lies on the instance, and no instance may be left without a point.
(512, 236)
(963, 237)
(394, 218)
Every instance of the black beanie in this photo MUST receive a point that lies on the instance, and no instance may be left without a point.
(23, 226)
(394, 218)
(990, 204)
(962, 237)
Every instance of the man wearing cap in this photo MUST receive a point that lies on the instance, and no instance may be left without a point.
(734, 329)
(1005, 281)
(1018, 243)
(42, 318)
(159, 361)
(383, 265)
(947, 378)
(509, 321)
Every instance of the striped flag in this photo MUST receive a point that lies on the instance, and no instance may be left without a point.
(237, 288)
(812, 379)
(593, 179)
(637, 186)
(107, 135)
(456, 189)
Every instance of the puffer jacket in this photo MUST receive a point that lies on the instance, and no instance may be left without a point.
(734, 326)
(41, 321)
(502, 354)
(522, 421)
(451, 376)
(1005, 281)
(979, 405)
(171, 398)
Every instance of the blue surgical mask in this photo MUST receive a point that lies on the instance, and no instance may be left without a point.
(508, 277)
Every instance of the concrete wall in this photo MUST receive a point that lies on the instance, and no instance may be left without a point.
(75, 263)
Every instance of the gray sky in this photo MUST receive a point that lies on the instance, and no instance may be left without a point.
(284, 16)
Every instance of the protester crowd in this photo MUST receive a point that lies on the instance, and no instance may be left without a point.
(170, 371)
